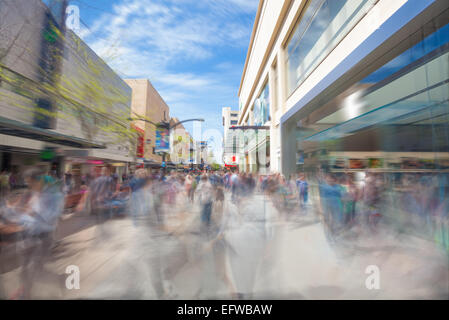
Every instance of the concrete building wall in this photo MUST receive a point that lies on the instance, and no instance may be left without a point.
(87, 95)
(105, 97)
(147, 103)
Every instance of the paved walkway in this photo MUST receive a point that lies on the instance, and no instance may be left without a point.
(264, 254)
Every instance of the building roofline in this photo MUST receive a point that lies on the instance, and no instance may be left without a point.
(149, 82)
(251, 42)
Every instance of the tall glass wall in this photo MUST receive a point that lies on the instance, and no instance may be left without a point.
(382, 147)
(324, 24)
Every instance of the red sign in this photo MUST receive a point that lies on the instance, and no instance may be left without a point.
(95, 162)
(140, 152)
(140, 147)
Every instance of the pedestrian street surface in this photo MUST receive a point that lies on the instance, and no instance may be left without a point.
(263, 256)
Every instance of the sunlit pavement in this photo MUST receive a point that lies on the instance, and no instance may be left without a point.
(265, 255)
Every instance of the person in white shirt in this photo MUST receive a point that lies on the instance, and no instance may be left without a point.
(234, 185)
(188, 185)
(39, 217)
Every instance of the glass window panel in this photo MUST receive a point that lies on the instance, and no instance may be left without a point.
(323, 25)
(261, 107)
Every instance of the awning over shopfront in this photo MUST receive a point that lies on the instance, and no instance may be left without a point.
(18, 129)
(395, 102)
(171, 164)
(151, 164)
(389, 115)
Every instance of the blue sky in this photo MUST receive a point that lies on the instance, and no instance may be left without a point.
(193, 51)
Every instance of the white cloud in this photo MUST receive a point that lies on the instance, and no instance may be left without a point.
(170, 42)
(170, 32)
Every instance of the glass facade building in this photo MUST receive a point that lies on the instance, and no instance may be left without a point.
(358, 95)
(388, 130)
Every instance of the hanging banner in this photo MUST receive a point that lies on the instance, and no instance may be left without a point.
(162, 140)
(140, 146)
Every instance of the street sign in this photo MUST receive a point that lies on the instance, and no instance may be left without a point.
(162, 140)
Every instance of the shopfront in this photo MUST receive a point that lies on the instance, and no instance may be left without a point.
(254, 135)
(393, 116)
(388, 119)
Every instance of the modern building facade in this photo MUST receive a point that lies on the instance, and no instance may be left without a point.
(347, 85)
(57, 94)
(230, 137)
(148, 104)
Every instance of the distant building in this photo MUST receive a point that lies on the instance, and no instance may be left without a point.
(147, 104)
(230, 137)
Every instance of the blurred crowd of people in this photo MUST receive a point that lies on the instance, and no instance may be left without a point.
(411, 202)
(343, 201)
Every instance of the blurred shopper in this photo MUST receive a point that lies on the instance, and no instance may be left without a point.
(205, 193)
(350, 198)
(38, 213)
(68, 183)
(188, 187)
(214, 242)
(13, 180)
(227, 180)
(280, 194)
(245, 236)
(234, 185)
(158, 190)
(331, 198)
(219, 198)
(251, 183)
(303, 191)
(101, 193)
(139, 202)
